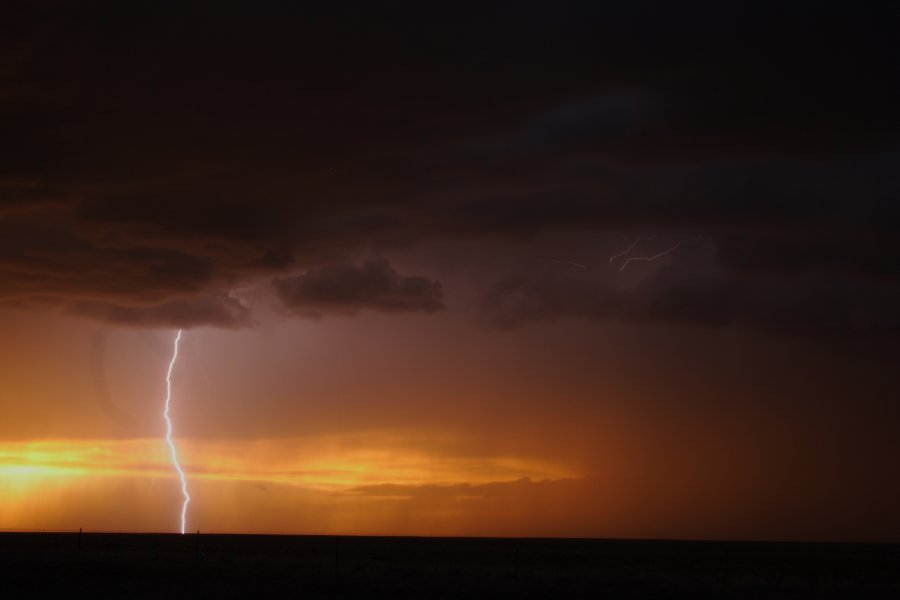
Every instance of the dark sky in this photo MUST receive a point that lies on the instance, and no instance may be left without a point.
(445, 181)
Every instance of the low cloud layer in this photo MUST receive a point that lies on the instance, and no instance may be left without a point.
(216, 311)
(348, 289)
(697, 285)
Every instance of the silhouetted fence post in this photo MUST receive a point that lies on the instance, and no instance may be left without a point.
(197, 547)
(517, 561)
(78, 551)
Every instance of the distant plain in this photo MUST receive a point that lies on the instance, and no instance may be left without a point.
(212, 565)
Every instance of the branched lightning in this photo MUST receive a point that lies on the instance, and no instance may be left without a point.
(630, 248)
(649, 258)
(631, 259)
(181, 475)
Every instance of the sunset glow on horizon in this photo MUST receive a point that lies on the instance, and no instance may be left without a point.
(277, 440)
(587, 270)
(348, 469)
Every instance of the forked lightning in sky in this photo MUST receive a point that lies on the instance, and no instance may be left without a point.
(644, 258)
(626, 251)
(181, 475)
(629, 249)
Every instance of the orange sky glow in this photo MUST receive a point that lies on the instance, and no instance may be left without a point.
(324, 427)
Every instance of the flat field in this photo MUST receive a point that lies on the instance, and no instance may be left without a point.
(100, 565)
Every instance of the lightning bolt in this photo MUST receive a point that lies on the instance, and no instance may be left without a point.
(181, 475)
(640, 239)
(650, 258)
(627, 250)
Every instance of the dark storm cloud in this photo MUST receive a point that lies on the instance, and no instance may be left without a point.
(785, 247)
(155, 157)
(693, 287)
(217, 311)
(849, 198)
(348, 288)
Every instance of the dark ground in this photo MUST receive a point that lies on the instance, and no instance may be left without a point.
(172, 566)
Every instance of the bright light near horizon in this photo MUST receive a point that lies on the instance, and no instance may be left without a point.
(281, 485)
(181, 475)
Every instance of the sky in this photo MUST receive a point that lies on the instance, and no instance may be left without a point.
(581, 269)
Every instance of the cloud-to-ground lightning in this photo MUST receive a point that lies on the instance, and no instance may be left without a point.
(181, 475)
